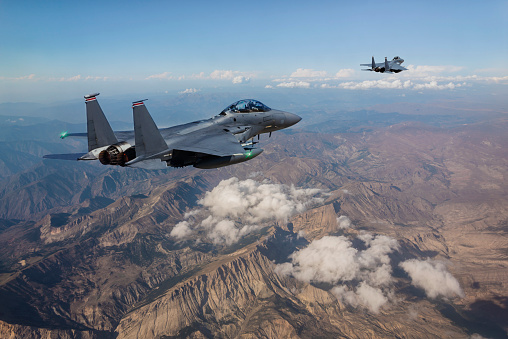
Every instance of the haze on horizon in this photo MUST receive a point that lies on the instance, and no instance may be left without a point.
(60, 51)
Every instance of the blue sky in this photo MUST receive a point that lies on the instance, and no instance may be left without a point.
(55, 49)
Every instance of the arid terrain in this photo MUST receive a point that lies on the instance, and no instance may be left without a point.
(398, 231)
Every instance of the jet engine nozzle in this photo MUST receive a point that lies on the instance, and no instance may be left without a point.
(117, 154)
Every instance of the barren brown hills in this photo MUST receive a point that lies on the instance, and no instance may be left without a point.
(141, 255)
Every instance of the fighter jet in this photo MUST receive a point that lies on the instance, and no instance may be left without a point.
(393, 66)
(225, 139)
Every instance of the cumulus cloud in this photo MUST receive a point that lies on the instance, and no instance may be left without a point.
(181, 230)
(399, 84)
(382, 84)
(345, 73)
(225, 231)
(362, 277)
(235, 76)
(236, 207)
(96, 78)
(343, 222)
(426, 70)
(435, 85)
(194, 76)
(189, 91)
(433, 277)
(329, 259)
(222, 75)
(294, 84)
(255, 201)
(365, 295)
(161, 76)
(240, 80)
(63, 79)
(308, 73)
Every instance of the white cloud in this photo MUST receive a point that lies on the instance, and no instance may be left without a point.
(382, 84)
(425, 70)
(433, 277)
(435, 85)
(343, 222)
(370, 297)
(269, 86)
(89, 77)
(294, 84)
(24, 77)
(222, 75)
(496, 80)
(181, 230)
(398, 84)
(74, 78)
(329, 259)
(345, 73)
(161, 76)
(365, 273)
(189, 91)
(194, 76)
(240, 80)
(236, 207)
(235, 76)
(255, 202)
(225, 231)
(308, 73)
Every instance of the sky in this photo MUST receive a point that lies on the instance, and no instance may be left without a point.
(53, 50)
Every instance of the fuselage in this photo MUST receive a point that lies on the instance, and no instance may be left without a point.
(244, 119)
(244, 125)
(215, 142)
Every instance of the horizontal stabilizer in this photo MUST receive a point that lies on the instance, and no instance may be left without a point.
(67, 156)
(148, 138)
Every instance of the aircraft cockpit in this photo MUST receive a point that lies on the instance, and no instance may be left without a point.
(398, 60)
(246, 106)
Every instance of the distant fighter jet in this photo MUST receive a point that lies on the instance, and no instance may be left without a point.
(393, 66)
(222, 140)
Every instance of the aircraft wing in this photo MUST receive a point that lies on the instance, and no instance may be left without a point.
(398, 67)
(212, 140)
(378, 64)
(67, 156)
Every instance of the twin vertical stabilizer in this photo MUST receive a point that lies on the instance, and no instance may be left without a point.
(148, 138)
(100, 133)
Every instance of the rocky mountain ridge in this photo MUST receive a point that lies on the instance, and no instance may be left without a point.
(102, 262)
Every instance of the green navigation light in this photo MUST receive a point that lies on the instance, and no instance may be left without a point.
(64, 134)
(248, 154)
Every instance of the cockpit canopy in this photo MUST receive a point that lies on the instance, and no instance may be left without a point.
(246, 106)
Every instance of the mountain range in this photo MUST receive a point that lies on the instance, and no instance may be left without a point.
(384, 228)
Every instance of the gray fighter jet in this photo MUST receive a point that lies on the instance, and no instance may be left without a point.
(223, 140)
(393, 66)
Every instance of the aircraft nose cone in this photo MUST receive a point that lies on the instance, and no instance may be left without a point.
(292, 119)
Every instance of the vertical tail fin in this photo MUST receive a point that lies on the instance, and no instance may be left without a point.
(387, 68)
(373, 63)
(148, 138)
(99, 131)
